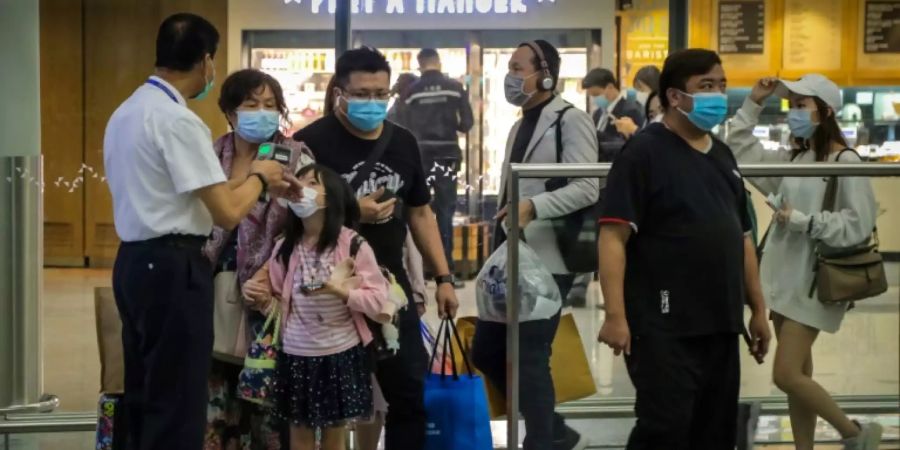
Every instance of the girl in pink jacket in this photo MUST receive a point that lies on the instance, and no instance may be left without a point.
(323, 380)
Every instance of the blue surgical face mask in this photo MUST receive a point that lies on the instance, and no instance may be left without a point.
(801, 124)
(601, 102)
(366, 114)
(710, 109)
(257, 125)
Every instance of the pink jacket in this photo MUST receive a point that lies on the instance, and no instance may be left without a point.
(369, 298)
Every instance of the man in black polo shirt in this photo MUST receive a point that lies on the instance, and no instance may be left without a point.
(677, 265)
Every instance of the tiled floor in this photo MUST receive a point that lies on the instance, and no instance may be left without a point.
(862, 359)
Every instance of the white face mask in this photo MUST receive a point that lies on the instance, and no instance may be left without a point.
(657, 118)
(307, 206)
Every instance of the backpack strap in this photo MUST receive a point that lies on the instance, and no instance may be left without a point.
(558, 125)
(355, 243)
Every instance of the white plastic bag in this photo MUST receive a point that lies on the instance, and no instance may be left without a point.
(539, 295)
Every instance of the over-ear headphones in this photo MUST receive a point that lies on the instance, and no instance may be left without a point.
(546, 82)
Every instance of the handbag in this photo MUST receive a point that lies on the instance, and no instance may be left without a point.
(109, 342)
(229, 319)
(385, 336)
(456, 406)
(572, 378)
(847, 274)
(229, 315)
(577, 232)
(257, 378)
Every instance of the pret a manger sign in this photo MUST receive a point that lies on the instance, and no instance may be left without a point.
(422, 6)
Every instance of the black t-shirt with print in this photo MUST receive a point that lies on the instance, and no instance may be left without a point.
(399, 171)
(684, 272)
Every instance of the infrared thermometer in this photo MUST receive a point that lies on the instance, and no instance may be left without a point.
(277, 152)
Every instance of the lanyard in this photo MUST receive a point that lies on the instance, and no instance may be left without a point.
(163, 88)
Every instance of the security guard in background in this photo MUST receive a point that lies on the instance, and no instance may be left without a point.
(168, 189)
(437, 109)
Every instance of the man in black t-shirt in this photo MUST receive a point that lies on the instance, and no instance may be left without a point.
(392, 194)
(677, 265)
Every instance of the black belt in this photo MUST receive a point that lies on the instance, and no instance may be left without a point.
(183, 241)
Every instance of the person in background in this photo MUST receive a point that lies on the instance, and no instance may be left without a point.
(653, 110)
(653, 113)
(677, 263)
(323, 378)
(646, 82)
(168, 190)
(789, 258)
(612, 105)
(400, 91)
(253, 104)
(531, 84)
(437, 110)
(392, 196)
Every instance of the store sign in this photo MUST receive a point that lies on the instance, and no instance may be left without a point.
(423, 6)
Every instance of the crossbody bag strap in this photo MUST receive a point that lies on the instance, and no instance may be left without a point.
(377, 152)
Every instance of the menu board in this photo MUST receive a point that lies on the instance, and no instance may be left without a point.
(882, 26)
(807, 32)
(742, 27)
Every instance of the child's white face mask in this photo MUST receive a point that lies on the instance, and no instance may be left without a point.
(307, 206)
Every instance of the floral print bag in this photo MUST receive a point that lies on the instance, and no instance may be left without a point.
(258, 375)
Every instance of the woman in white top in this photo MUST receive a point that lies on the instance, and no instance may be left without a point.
(789, 255)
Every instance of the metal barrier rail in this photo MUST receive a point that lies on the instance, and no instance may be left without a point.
(601, 170)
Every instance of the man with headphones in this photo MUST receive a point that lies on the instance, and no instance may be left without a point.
(531, 84)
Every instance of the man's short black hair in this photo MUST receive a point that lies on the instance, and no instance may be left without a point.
(551, 57)
(363, 59)
(599, 78)
(681, 66)
(184, 40)
(427, 55)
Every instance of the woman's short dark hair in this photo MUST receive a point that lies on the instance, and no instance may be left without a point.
(551, 57)
(341, 210)
(681, 66)
(241, 85)
(649, 76)
(650, 98)
(827, 132)
(183, 40)
(363, 59)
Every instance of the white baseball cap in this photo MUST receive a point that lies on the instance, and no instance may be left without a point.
(812, 85)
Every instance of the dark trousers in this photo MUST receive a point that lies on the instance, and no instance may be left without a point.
(402, 381)
(442, 175)
(687, 392)
(164, 293)
(537, 398)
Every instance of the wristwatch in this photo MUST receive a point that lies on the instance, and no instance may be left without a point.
(441, 279)
(265, 186)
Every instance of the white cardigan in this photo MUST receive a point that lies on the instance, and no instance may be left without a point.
(788, 258)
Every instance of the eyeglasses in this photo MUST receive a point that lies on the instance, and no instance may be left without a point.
(384, 95)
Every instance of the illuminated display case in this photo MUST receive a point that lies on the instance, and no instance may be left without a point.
(303, 62)
(869, 119)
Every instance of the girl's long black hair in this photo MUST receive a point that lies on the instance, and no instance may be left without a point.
(341, 210)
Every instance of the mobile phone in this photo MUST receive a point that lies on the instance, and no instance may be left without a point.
(749, 341)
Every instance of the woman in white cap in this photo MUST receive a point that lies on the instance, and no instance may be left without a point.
(789, 254)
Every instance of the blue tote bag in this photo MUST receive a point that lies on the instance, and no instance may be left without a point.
(456, 405)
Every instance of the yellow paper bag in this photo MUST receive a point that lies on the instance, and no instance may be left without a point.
(572, 379)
